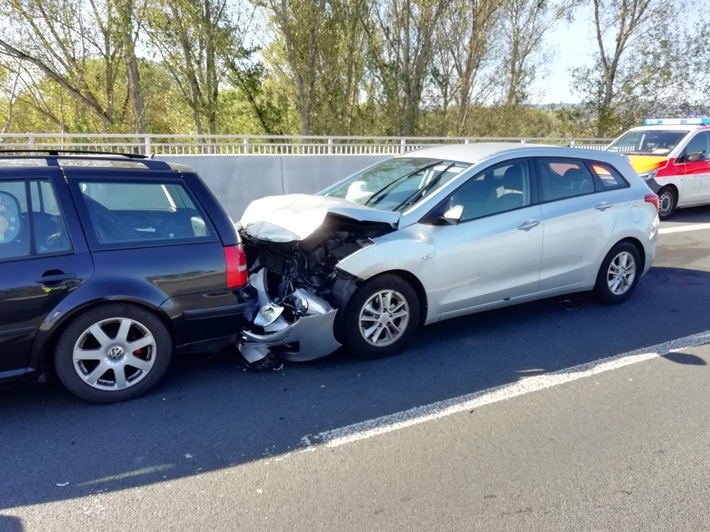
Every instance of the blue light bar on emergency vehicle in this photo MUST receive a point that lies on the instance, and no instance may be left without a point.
(699, 121)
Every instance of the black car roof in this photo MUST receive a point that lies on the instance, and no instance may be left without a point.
(15, 158)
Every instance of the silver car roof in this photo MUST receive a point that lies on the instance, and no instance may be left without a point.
(479, 152)
(483, 155)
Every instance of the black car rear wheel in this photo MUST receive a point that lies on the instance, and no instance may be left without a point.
(113, 353)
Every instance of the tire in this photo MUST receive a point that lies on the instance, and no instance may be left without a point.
(368, 332)
(113, 353)
(667, 202)
(618, 274)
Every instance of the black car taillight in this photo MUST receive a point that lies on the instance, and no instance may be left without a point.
(236, 266)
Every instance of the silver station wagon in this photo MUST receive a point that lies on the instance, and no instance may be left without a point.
(439, 233)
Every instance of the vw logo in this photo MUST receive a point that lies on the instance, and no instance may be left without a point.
(115, 352)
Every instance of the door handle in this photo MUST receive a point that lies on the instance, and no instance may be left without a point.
(604, 206)
(50, 278)
(526, 226)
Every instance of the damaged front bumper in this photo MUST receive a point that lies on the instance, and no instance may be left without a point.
(293, 245)
(299, 329)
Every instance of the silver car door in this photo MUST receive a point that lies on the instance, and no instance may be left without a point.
(579, 221)
(493, 254)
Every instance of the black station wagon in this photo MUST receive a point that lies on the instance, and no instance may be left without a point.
(108, 265)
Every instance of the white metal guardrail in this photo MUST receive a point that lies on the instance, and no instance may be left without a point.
(256, 144)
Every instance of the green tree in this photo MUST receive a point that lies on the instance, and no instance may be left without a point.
(316, 57)
(195, 40)
(643, 62)
(127, 28)
(166, 110)
(462, 58)
(523, 25)
(62, 41)
(400, 47)
(257, 106)
(8, 86)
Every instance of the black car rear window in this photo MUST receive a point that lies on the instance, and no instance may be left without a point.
(142, 213)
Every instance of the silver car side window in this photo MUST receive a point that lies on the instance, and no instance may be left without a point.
(564, 178)
(607, 177)
(501, 188)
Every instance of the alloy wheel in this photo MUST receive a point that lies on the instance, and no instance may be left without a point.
(384, 318)
(114, 354)
(621, 273)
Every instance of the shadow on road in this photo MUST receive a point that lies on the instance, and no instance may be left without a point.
(211, 413)
(685, 358)
(10, 524)
(691, 215)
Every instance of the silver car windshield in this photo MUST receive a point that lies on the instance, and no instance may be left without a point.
(398, 183)
(647, 141)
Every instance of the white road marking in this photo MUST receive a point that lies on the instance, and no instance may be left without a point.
(682, 228)
(422, 414)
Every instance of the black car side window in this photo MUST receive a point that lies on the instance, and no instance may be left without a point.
(48, 227)
(14, 241)
(31, 222)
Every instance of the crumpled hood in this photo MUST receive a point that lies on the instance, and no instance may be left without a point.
(646, 163)
(293, 217)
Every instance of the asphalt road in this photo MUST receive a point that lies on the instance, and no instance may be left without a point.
(481, 425)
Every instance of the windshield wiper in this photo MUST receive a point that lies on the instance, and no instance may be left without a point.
(413, 198)
(378, 194)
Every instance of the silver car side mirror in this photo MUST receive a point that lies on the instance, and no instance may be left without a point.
(453, 215)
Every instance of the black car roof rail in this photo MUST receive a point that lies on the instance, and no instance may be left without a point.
(54, 152)
(53, 157)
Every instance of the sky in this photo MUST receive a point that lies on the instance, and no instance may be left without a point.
(573, 44)
(570, 44)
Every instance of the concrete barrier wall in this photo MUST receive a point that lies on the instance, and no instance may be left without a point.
(236, 180)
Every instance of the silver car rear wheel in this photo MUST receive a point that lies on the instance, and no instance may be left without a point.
(621, 273)
(618, 274)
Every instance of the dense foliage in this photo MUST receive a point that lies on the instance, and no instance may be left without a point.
(340, 67)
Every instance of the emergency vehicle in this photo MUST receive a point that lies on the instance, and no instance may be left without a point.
(673, 156)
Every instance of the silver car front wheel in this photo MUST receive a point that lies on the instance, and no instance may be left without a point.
(384, 318)
(381, 317)
(618, 274)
